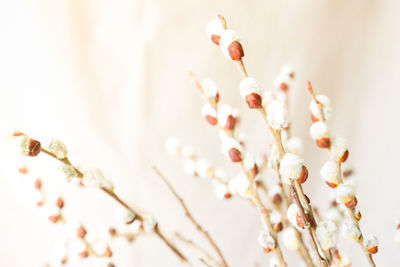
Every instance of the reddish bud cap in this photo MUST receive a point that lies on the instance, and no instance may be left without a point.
(278, 227)
(84, 254)
(235, 51)
(303, 176)
(215, 38)
(267, 250)
(230, 122)
(323, 142)
(54, 218)
(372, 250)
(331, 185)
(235, 155)
(277, 199)
(344, 157)
(211, 120)
(108, 253)
(81, 232)
(228, 195)
(284, 87)
(34, 148)
(313, 118)
(60, 203)
(37, 184)
(351, 203)
(253, 100)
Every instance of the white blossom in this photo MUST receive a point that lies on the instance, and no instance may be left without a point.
(326, 233)
(100, 247)
(287, 69)
(149, 223)
(124, 215)
(221, 175)
(289, 239)
(209, 88)
(277, 115)
(294, 145)
(248, 86)
(329, 172)
(292, 213)
(221, 190)
(275, 217)
(207, 109)
(344, 193)
(274, 262)
(214, 27)
(189, 166)
(204, 168)
(370, 242)
(239, 185)
(281, 79)
(96, 179)
(228, 37)
(319, 130)
(58, 148)
(266, 240)
(291, 167)
(333, 214)
(249, 162)
(173, 145)
(188, 151)
(351, 231)
(228, 144)
(326, 107)
(224, 111)
(338, 148)
(68, 171)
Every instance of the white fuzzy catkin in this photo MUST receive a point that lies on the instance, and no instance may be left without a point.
(221, 175)
(344, 193)
(319, 130)
(68, 171)
(124, 215)
(281, 78)
(397, 237)
(149, 223)
(228, 37)
(289, 239)
(58, 148)
(189, 167)
(239, 185)
(209, 88)
(228, 144)
(188, 151)
(286, 69)
(221, 190)
(329, 172)
(351, 231)
(326, 233)
(275, 217)
(266, 240)
(277, 115)
(224, 111)
(370, 242)
(173, 145)
(274, 190)
(214, 27)
(96, 179)
(294, 145)
(292, 213)
(249, 162)
(333, 214)
(22, 144)
(291, 167)
(274, 262)
(208, 110)
(248, 86)
(204, 168)
(326, 107)
(338, 148)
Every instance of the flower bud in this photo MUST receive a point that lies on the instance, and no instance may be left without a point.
(173, 145)
(210, 114)
(326, 107)
(28, 146)
(339, 149)
(125, 215)
(251, 92)
(326, 233)
(282, 82)
(214, 30)
(225, 117)
(294, 216)
(230, 45)
(232, 149)
(320, 133)
(345, 194)
(81, 232)
(294, 145)
(277, 115)
(149, 223)
(289, 239)
(276, 220)
(222, 190)
(204, 168)
(58, 148)
(210, 90)
(292, 168)
(351, 231)
(266, 241)
(371, 244)
(275, 194)
(330, 174)
(96, 179)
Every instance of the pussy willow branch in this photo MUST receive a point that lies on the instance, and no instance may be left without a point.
(264, 213)
(278, 142)
(190, 243)
(191, 218)
(350, 211)
(124, 204)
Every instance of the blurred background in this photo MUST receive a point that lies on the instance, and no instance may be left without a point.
(109, 78)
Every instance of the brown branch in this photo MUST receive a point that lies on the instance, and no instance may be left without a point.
(191, 218)
(122, 203)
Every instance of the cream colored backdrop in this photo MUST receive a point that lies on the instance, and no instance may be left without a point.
(109, 78)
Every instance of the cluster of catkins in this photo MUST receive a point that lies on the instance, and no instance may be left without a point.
(284, 160)
(79, 243)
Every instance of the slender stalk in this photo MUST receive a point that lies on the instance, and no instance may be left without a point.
(113, 195)
(210, 260)
(191, 218)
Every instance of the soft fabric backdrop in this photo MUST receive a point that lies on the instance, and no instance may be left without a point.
(109, 78)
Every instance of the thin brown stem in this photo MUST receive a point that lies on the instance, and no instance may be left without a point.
(113, 195)
(198, 249)
(307, 226)
(191, 218)
(242, 68)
